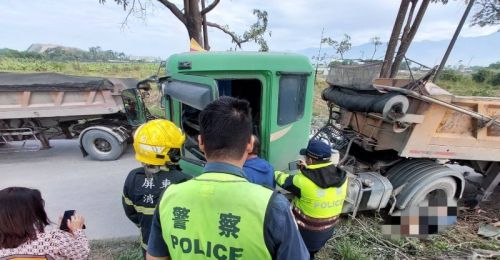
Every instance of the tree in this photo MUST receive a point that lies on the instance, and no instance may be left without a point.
(341, 47)
(488, 14)
(376, 42)
(193, 16)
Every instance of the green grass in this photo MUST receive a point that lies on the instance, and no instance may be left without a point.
(468, 87)
(122, 249)
(129, 70)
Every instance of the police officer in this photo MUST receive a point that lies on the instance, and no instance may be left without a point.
(156, 143)
(220, 214)
(320, 189)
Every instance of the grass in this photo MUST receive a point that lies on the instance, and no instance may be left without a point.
(468, 87)
(106, 69)
(121, 249)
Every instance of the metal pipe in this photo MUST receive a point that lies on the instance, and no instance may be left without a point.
(484, 119)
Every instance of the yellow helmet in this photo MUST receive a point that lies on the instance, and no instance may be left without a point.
(155, 141)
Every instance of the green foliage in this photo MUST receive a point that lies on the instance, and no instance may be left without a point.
(465, 85)
(495, 65)
(451, 75)
(481, 75)
(495, 79)
(138, 70)
(67, 54)
(349, 251)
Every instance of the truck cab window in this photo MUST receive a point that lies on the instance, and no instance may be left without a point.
(191, 128)
(291, 100)
(248, 89)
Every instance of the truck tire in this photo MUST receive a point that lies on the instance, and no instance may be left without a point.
(102, 146)
(421, 179)
(442, 188)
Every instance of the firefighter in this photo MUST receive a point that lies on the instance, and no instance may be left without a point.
(157, 145)
(319, 190)
(220, 214)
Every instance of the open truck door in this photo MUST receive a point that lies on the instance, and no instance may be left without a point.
(187, 95)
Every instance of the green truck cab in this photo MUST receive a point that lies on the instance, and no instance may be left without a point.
(279, 87)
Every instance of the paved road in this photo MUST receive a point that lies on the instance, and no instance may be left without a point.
(69, 181)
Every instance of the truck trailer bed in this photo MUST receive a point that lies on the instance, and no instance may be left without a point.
(444, 126)
(41, 95)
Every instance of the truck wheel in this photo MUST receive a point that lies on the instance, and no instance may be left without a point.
(102, 146)
(441, 189)
(423, 180)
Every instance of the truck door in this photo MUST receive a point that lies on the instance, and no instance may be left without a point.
(134, 106)
(187, 95)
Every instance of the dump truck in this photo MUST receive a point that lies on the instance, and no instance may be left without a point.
(394, 145)
(100, 112)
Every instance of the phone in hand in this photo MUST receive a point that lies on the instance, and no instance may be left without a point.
(293, 166)
(64, 222)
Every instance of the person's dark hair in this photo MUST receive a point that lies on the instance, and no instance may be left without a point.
(226, 128)
(256, 145)
(22, 215)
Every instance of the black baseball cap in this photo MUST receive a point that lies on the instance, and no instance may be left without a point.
(317, 150)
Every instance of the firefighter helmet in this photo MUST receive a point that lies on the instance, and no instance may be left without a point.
(158, 142)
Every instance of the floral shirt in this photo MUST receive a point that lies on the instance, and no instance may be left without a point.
(56, 243)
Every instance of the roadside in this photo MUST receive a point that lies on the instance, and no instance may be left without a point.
(69, 181)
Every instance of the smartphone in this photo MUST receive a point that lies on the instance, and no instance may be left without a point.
(64, 222)
(293, 166)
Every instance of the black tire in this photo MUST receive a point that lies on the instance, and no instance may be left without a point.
(102, 146)
(443, 188)
(410, 173)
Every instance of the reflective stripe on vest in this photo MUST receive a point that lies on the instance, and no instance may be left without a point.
(215, 216)
(317, 202)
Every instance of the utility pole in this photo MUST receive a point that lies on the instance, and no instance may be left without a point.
(205, 32)
(319, 52)
(453, 40)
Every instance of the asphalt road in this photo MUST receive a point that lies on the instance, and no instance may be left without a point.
(69, 181)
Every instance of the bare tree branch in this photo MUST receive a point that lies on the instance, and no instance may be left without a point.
(210, 7)
(235, 38)
(174, 9)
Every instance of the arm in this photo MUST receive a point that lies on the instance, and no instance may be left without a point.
(128, 205)
(73, 244)
(281, 233)
(157, 248)
(286, 181)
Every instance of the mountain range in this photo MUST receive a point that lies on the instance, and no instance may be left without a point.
(469, 51)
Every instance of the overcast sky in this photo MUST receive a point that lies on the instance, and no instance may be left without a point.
(295, 24)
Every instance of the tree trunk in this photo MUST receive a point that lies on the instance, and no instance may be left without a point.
(403, 47)
(393, 41)
(194, 20)
(409, 20)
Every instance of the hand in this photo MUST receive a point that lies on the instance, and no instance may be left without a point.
(302, 164)
(76, 222)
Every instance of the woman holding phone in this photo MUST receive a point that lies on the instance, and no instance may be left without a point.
(25, 229)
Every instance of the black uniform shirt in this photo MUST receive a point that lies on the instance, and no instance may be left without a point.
(141, 194)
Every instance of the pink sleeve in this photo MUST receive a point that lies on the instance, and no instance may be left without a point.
(72, 246)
